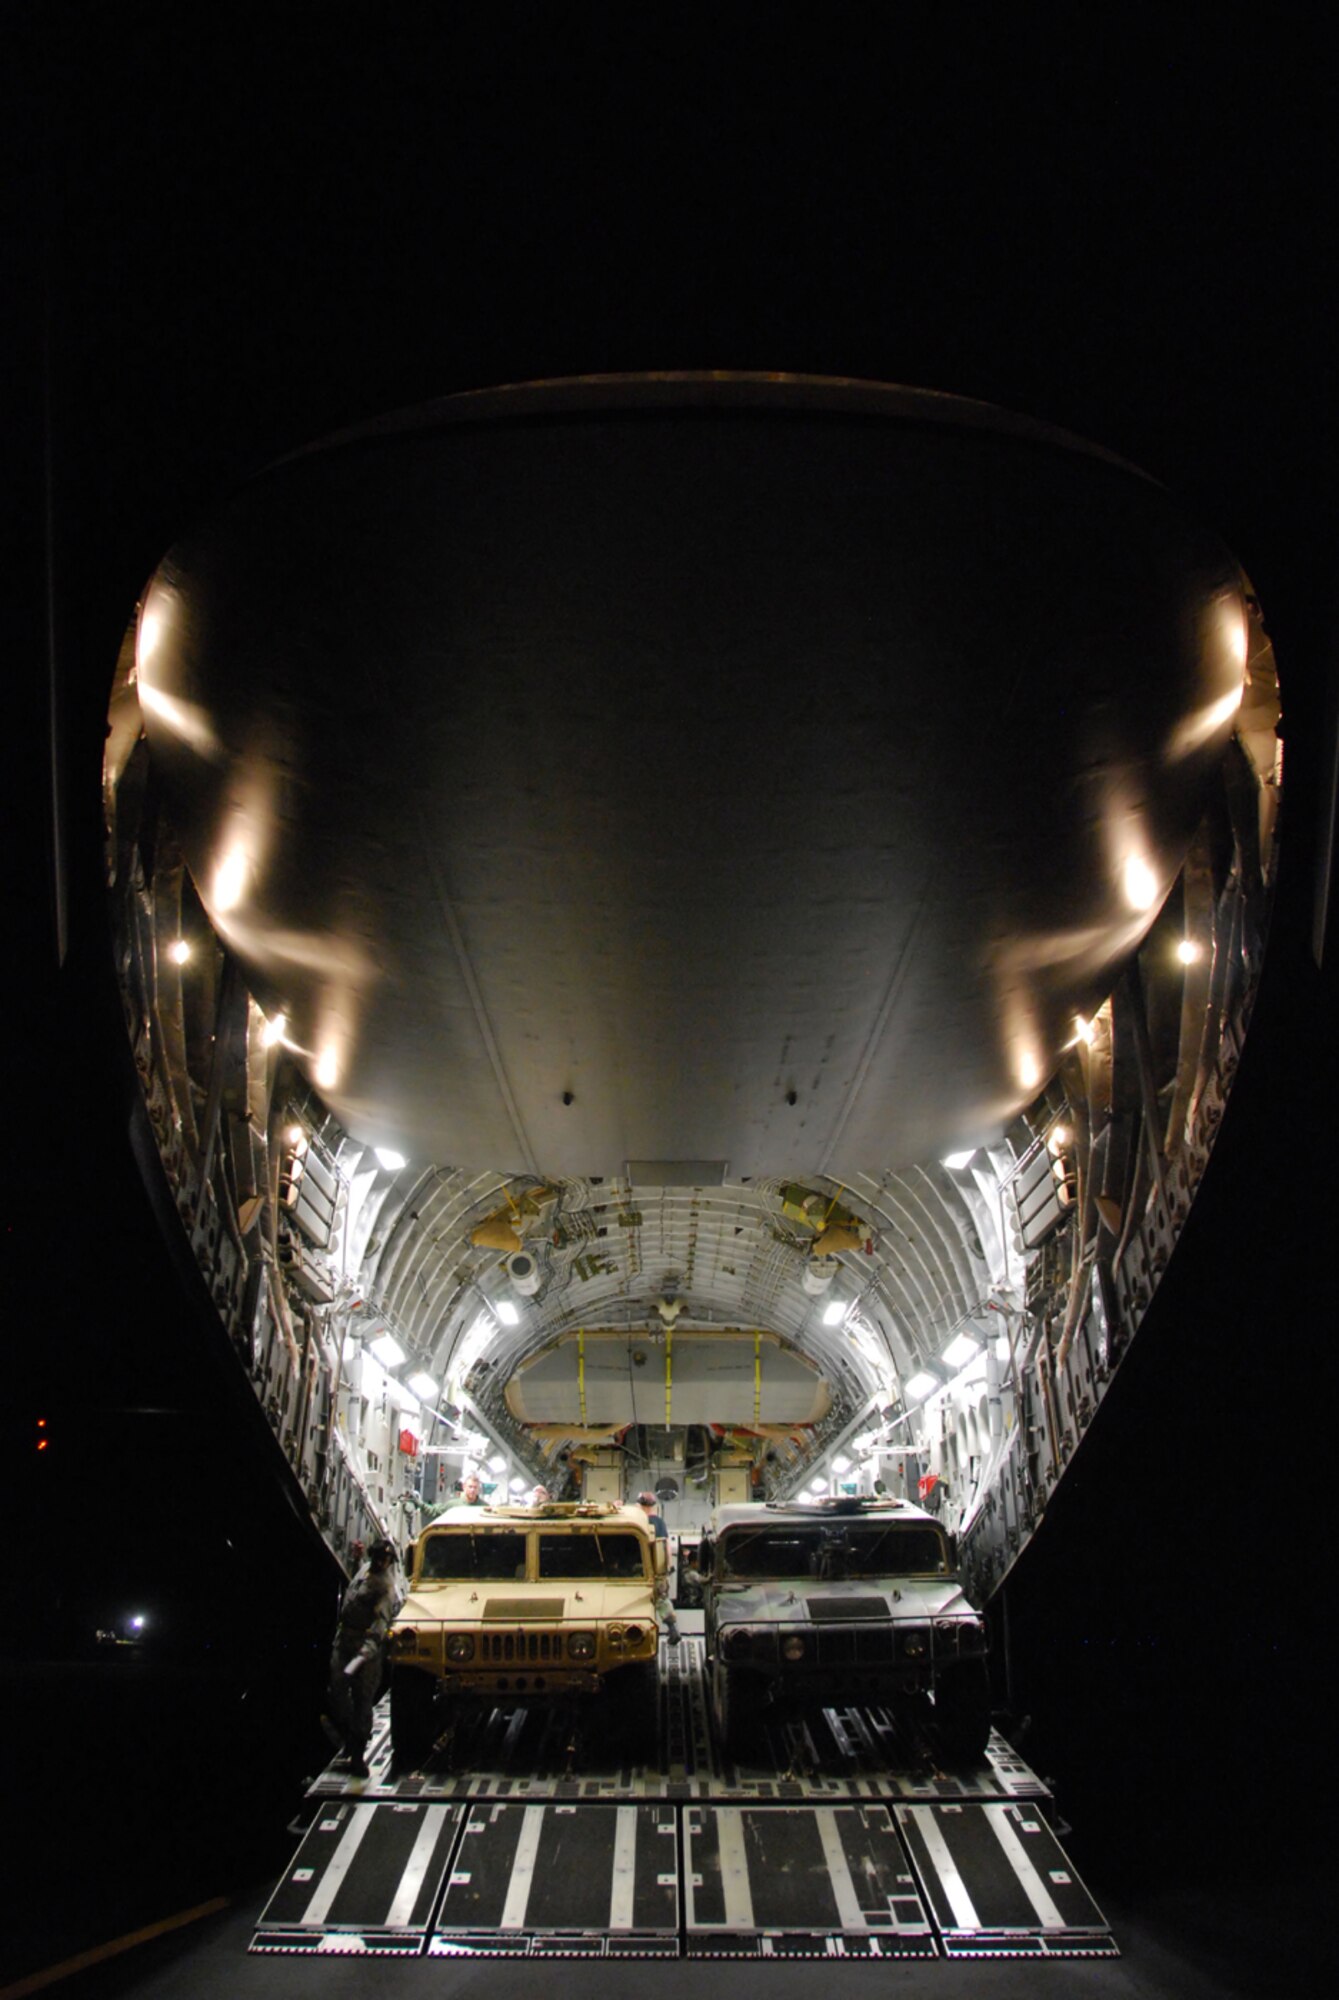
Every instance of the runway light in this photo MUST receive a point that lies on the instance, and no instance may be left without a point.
(1140, 883)
(138, 1622)
(423, 1386)
(274, 1031)
(960, 1351)
(1188, 951)
(920, 1386)
(955, 1162)
(834, 1314)
(387, 1350)
(389, 1158)
(508, 1313)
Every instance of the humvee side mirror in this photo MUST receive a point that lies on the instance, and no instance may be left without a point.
(706, 1555)
(661, 1559)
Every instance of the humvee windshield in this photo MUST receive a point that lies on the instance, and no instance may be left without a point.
(831, 1549)
(591, 1555)
(490, 1555)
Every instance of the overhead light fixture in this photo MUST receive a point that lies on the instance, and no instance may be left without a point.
(818, 1485)
(508, 1313)
(834, 1314)
(497, 1463)
(920, 1386)
(389, 1158)
(960, 1351)
(957, 1161)
(842, 1464)
(274, 1031)
(1188, 951)
(423, 1385)
(1057, 1139)
(387, 1350)
(179, 951)
(327, 1070)
(1084, 1031)
(516, 1485)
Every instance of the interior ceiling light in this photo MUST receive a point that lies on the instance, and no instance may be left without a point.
(1188, 951)
(841, 1464)
(957, 1161)
(516, 1486)
(508, 1313)
(274, 1031)
(834, 1313)
(497, 1463)
(423, 1385)
(179, 952)
(1084, 1031)
(387, 1350)
(920, 1386)
(1057, 1138)
(296, 1137)
(960, 1351)
(819, 1485)
(389, 1158)
(327, 1070)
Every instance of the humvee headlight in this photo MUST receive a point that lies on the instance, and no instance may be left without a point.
(914, 1645)
(460, 1647)
(634, 1635)
(792, 1648)
(581, 1645)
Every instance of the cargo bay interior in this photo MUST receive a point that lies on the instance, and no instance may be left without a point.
(680, 932)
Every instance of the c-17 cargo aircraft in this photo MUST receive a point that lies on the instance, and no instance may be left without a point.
(690, 932)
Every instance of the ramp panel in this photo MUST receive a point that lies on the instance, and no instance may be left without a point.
(999, 1885)
(551, 1880)
(365, 1880)
(779, 1881)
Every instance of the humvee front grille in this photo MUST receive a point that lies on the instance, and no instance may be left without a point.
(502, 1648)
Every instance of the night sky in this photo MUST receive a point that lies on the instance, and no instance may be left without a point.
(229, 238)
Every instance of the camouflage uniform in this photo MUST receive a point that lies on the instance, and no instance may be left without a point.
(364, 1620)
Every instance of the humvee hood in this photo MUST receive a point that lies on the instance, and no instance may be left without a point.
(520, 1603)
